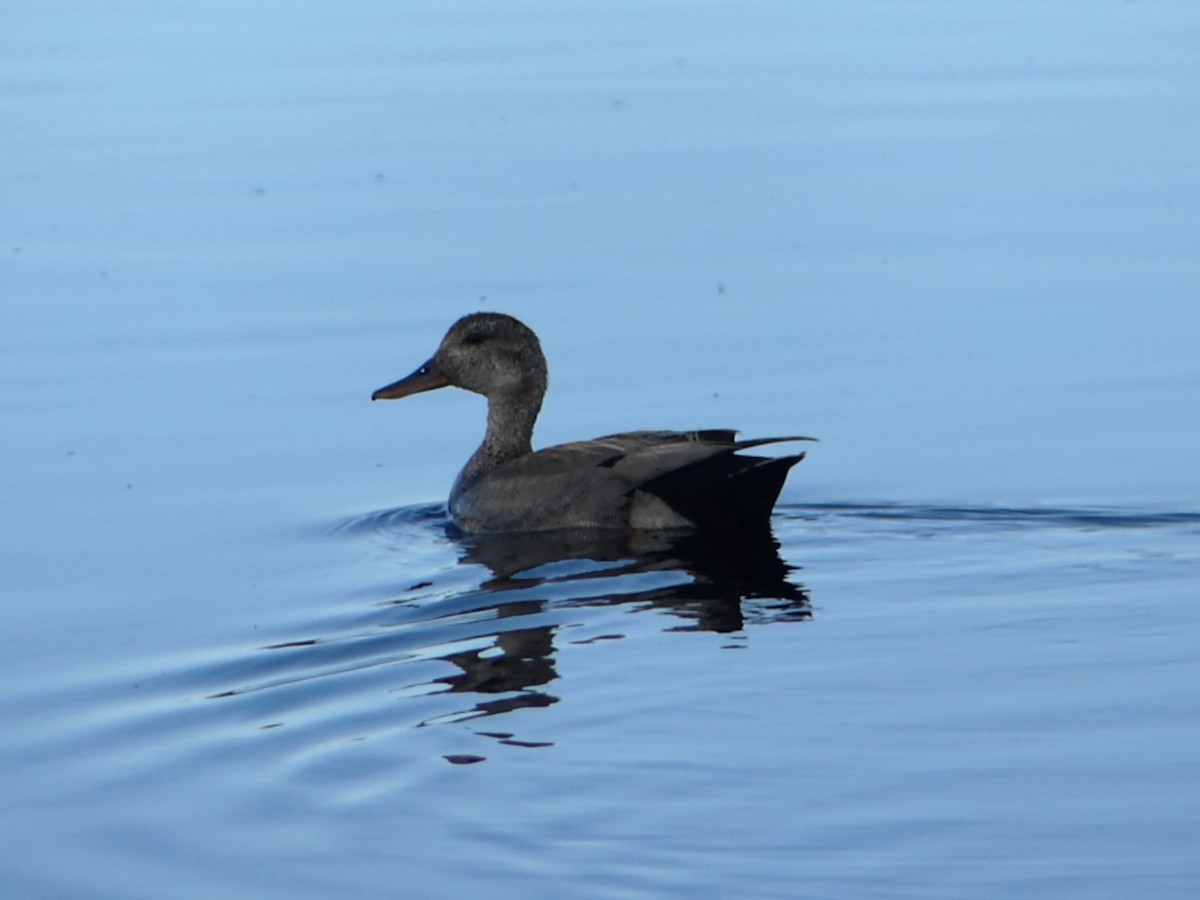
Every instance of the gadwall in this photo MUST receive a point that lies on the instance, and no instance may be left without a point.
(635, 480)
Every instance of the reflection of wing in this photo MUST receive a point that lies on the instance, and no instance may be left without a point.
(712, 570)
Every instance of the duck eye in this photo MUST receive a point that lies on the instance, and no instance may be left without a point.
(475, 338)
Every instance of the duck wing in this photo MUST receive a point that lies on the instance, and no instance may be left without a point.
(700, 475)
(623, 449)
(622, 479)
(644, 456)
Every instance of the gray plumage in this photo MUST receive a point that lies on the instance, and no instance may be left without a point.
(634, 480)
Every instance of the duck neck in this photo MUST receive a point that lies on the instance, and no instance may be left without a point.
(509, 434)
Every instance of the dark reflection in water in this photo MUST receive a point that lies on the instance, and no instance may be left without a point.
(720, 574)
(499, 631)
(722, 586)
(713, 585)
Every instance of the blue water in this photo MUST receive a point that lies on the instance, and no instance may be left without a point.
(244, 655)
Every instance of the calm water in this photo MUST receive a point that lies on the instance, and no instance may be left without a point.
(244, 656)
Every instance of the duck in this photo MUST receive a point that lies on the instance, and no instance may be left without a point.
(632, 481)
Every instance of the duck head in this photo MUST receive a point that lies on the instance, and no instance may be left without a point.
(485, 353)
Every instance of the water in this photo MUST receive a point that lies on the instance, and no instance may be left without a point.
(243, 654)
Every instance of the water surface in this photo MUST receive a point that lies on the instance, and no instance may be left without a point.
(244, 655)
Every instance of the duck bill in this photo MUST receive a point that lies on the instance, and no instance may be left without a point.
(426, 378)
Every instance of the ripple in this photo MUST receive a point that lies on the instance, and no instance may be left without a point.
(456, 630)
(477, 630)
(998, 516)
(483, 617)
(388, 521)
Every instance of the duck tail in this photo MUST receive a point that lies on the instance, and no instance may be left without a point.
(726, 493)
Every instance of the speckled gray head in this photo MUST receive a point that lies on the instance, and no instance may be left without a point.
(487, 353)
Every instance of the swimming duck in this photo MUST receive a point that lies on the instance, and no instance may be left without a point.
(634, 480)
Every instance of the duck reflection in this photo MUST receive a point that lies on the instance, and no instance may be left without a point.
(720, 577)
(708, 582)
